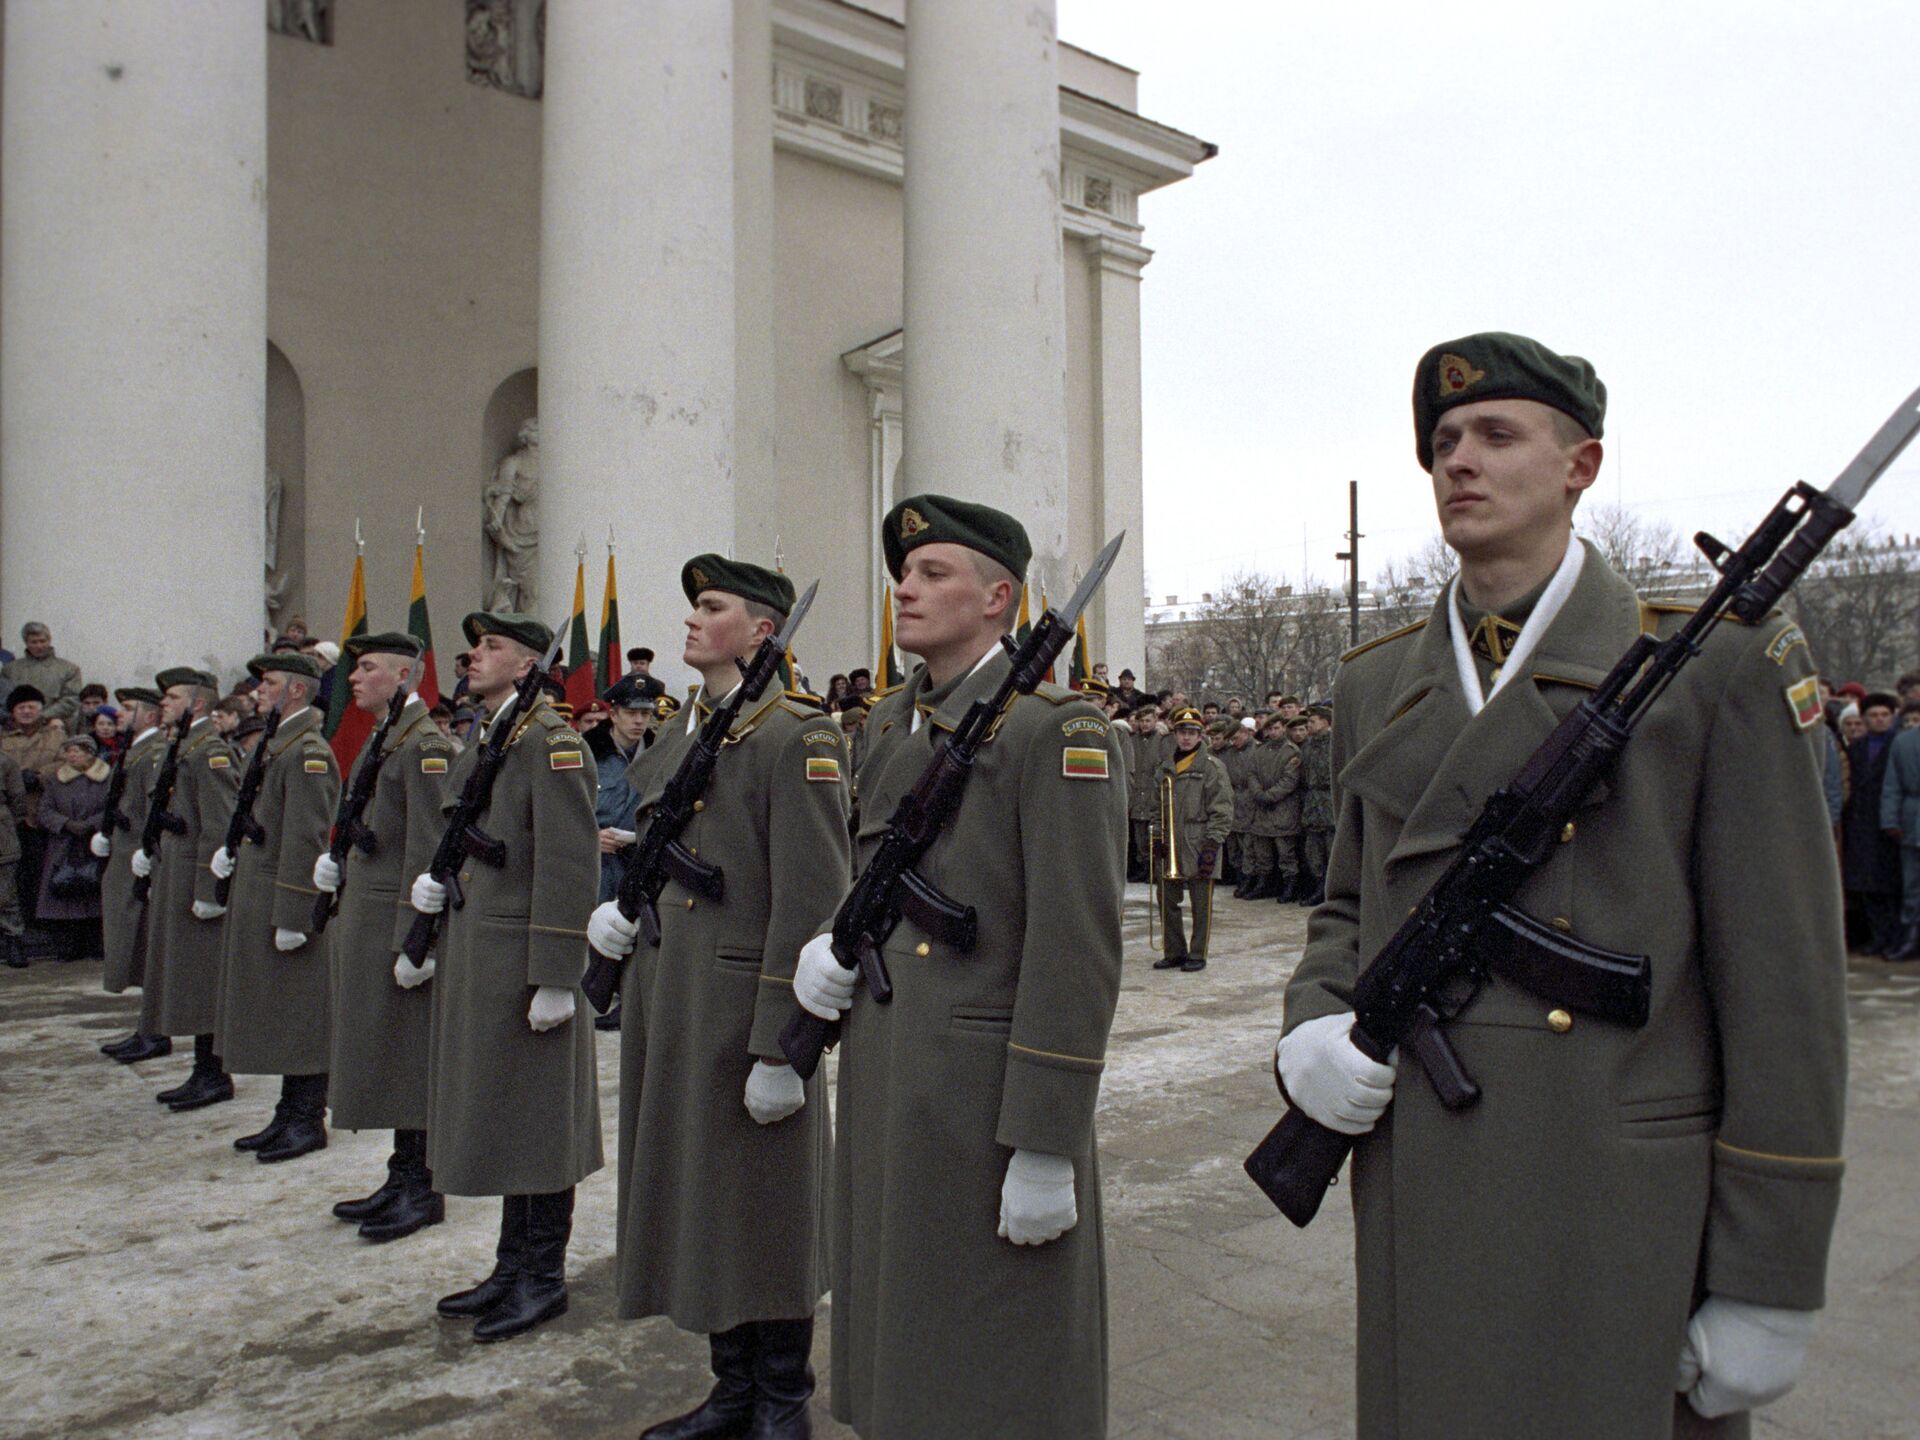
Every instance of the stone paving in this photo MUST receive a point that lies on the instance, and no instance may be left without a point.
(156, 1284)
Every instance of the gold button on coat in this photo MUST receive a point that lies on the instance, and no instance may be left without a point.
(699, 805)
(1559, 1021)
(1566, 832)
(923, 949)
(689, 902)
(1560, 922)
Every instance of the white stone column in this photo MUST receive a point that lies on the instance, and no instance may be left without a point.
(1117, 626)
(133, 264)
(985, 299)
(757, 525)
(637, 301)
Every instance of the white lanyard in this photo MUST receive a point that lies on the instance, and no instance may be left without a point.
(1551, 599)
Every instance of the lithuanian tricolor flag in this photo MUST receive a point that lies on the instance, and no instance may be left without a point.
(579, 656)
(1025, 623)
(421, 628)
(1043, 610)
(347, 724)
(1080, 668)
(610, 664)
(888, 673)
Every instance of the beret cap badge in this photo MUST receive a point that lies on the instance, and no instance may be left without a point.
(912, 522)
(1457, 374)
(699, 576)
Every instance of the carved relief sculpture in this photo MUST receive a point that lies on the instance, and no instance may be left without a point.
(513, 525)
(302, 19)
(505, 39)
(278, 581)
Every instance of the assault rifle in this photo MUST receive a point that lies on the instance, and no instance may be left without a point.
(241, 825)
(350, 828)
(658, 855)
(1466, 925)
(463, 835)
(115, 818)
(160, 819)
(890, 886)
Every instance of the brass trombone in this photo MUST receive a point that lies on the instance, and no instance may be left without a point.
(1163, 840)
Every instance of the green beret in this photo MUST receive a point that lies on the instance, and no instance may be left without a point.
(1498, 366)
(388, 642)
(736, 577)
(186, 675)
(143, 694)
(1323, 712)
(929, 519)
(526, 629)
(288, 662)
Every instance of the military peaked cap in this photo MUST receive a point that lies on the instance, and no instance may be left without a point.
(1186, 716)
(387, 642)
(290, 663)
(527, 630)
(627, 693)
(1499, 366)
(931, 519)
(144, 694)
(737, 577)
(186, 675)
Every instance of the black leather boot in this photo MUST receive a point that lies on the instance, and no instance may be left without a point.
(508, 1255)
(368, 1208)
(144, 1047)
(1907, 947)
(416, 1205)
(539, 1291)
(306, 1128)
(727, 1412)
(13, 952)
(276, 1127)
(125, 1042)
(783, 1381)
(608, 1021)
(209, 1084)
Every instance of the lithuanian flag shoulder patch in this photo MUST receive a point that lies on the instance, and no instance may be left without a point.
(564, 760)
(314, 767)
(433, 764)
(823, 767)
(1803, 699)
(219, 762)
(1084, 762)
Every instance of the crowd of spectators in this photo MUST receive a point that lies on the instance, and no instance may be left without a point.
(1872, 747)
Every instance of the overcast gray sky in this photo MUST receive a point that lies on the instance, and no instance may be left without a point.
(1718, 204)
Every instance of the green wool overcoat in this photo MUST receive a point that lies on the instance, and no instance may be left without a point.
(1316, 782)
(1526, 1266)
(940, 1328)
(274, 1005)
(1143, 756)
(182, 987)
(1202, 805)
(512, 1111)
(1239, 767)
(721, 1219)
(123, 929)
(380, 1031)
(1273, 790)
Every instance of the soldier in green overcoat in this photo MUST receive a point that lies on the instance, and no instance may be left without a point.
(1316, 803)
(968, 1280)
(1236, 757)
(724, 1149)
(182, 983)
(273, 1010)
(382, 1004)
(1273, 814)
(123, 931)
(1144, 754)
(1202, 819)
(513, 1102)
(1626, 1213)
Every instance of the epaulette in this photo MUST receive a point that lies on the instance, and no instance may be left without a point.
(802, 704)
(1379, 640)
(1649, 608)
(1054, 694)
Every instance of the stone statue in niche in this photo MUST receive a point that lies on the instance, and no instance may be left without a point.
(302, 19)
(505, 40)
(278, 580)
(513, 525)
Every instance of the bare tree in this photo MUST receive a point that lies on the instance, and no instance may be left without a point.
(1860, 608)
(1643, 549)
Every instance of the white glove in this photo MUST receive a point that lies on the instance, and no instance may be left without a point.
(409, 974)
(288, 940)
(1036, 1199)
(552, 1005)
(610, 932)
(429, 895)
(141, 864)
(774, 1092)
(1738, 1356)
(326, 873)
(100, 845)
(1330, 1080)
(822, 985)
(221, 864)
(207, 910)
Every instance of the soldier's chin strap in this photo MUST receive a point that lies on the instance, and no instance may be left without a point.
(1551, 599)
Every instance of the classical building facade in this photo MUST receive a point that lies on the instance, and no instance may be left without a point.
(757, 267)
